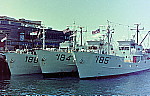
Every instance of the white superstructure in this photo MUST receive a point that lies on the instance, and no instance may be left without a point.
(57, 60)
(94, 64)
(101, 59)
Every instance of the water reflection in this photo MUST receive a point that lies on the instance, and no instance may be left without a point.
(4, 83)
(35, 84)
(130, 84)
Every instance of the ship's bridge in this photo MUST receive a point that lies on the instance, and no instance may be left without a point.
(130, 50)
(130, 47)
(98, 46)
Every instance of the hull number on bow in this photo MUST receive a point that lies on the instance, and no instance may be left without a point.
(101, 59)
(31, 59)
(63, 57)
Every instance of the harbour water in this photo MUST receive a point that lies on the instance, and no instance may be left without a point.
(129, 84)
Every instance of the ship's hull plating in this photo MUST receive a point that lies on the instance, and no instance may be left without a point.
(96, 65)
(56, 62)
(23, 63)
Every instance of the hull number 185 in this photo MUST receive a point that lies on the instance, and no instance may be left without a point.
(101, 59)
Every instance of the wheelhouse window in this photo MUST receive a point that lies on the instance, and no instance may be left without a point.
(93, 47)
(123, 48)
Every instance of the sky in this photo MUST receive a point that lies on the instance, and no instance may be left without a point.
(87, 13)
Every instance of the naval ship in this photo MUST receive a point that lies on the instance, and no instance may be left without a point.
(100, 59)
(23, 62)
(58, 62)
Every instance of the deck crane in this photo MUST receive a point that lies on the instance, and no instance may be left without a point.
(145, 37)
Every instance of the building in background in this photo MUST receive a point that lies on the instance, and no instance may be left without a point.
(22, 33)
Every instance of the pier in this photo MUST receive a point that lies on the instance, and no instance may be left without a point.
(4, 69)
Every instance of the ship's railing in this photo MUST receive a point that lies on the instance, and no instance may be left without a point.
(59, 50)
(24, 51)
(93, 51)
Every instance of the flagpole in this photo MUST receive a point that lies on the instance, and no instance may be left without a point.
(74, 36)
(6, 49)
(43, 38)
(81, 34)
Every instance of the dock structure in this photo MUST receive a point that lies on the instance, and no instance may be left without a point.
(4, 69)
(22, 33)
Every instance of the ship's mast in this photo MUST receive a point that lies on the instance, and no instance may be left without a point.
(74, 34)
(81, 32)
(137, 30)
(108, 36)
